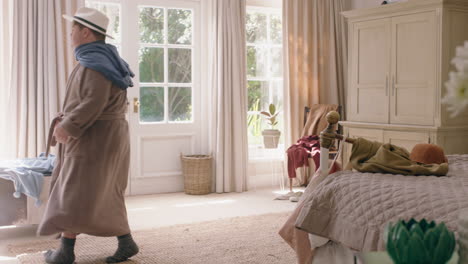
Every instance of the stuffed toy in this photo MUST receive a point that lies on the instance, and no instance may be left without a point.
(428, 154)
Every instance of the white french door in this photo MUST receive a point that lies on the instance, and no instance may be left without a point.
(160, 39)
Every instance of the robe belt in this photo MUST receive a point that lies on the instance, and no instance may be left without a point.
(111, 116)
(51, 139)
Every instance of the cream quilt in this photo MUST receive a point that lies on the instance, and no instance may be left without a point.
(353, 208)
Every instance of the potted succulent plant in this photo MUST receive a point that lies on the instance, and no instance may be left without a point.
(271, 136)
(420, 242)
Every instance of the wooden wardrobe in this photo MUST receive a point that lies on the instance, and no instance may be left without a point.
(399, 61)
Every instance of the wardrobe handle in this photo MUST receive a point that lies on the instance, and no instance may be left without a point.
(393, 85)
(386, 85)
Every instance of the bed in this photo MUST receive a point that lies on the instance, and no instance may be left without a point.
(24, 189)
(22, 210)
(352, 208)
(347, 211)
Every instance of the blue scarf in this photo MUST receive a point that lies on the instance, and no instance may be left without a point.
(105, 59)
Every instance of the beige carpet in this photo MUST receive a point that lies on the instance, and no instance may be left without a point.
(251, 239)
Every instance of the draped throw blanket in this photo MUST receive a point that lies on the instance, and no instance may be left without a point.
(299, 153)
(27, 174)
(316, 120)
(295, 237)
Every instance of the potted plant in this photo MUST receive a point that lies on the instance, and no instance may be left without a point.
(416, 242)
(271, 136)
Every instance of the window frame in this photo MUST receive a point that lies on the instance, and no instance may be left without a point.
(112, 3)
(256, 150)
(166, 46)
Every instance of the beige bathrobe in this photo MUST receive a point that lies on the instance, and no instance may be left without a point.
(91, 170)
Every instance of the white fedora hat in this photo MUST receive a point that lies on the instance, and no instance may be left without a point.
(92, 19)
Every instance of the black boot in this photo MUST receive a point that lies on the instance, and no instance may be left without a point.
(63, 255)
(127, 249)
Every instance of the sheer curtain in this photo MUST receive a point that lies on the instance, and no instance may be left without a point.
(42, 61)
(315, 58)
(227, 81)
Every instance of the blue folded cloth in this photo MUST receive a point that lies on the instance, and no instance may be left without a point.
(28, 174)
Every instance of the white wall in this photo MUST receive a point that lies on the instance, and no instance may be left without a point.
(355, 4)
(351, 4)
(265, 3)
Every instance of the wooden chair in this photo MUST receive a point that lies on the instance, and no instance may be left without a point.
(333, 149)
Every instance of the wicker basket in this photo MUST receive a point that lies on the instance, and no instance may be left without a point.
(197, 170)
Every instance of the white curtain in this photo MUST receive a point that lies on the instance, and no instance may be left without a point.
(42, 61)
(5, 60)
(227, 80)
(315, 58)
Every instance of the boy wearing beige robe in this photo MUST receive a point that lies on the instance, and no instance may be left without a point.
(91, 171)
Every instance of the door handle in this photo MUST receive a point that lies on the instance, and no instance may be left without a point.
(136, 104)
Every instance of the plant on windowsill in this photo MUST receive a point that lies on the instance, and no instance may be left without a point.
(271, 136)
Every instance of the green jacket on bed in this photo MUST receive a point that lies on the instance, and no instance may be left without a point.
(371, 156)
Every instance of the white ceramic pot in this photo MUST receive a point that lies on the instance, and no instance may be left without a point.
(271, 138)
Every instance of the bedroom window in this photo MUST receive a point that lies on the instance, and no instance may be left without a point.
(112, 10)
(264, 76)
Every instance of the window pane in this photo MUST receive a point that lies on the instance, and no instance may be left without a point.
(112, 11)
(276, 36)
(179, 26)
(256, 27)
(256, 62)
(180, 65)
(257, 95)
(280, 126)
(277, 94)
(152, 25)
(254, 125)
(151, 64)
(151, 104)
(264, 39)
(276, 66)
(180, 103)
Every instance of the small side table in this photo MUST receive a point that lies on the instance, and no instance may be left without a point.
(381, 257)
